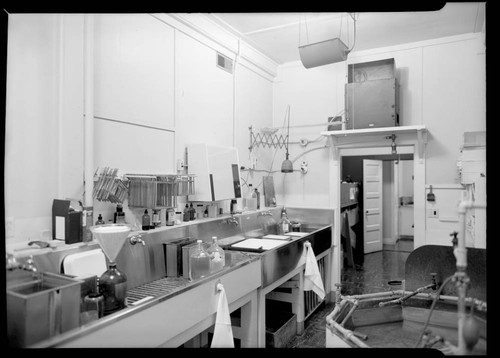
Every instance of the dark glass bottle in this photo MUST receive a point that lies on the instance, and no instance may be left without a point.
(186, 214)
(113, 286)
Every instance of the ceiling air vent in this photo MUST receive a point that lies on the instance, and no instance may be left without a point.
(225, 63)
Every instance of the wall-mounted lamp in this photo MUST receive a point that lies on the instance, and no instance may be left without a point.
(287, 166)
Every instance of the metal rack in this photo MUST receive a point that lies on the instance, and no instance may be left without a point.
(158, 191)
(107, 187)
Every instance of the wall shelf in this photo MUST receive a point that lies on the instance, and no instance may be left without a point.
(420, 131)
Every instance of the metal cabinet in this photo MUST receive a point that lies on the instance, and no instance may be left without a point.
(371, 95)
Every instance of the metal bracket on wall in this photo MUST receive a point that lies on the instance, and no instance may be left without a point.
(267, 138)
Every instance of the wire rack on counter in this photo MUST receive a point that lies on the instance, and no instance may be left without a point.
(157, 191)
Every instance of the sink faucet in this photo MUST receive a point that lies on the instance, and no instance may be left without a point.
(29, 265)
(136, 239)
(232, 220)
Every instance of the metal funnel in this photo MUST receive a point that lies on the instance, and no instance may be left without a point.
(111, 238)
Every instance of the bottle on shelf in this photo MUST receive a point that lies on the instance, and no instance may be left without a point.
(258, 197)
(250, 199)
(217, 256)
(205, 213)
(192, 212)
(119, 217)
(146, 220)
(156, 218)
(284, 223)
(170, 216)
(186, 213)
(199, 262)
(100, 220)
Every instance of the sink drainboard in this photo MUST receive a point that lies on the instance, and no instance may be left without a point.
(157, 288)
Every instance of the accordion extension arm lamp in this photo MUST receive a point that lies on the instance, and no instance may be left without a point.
(287, 166)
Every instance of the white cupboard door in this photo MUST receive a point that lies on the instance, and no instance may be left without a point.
(372, 205)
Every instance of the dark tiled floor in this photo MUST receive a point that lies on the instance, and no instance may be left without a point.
(373, 275)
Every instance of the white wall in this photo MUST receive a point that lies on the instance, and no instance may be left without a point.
(44, 113)
(156, 89)
(443, 84)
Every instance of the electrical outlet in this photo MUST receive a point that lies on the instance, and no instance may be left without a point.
(180, 164)
(432, 213)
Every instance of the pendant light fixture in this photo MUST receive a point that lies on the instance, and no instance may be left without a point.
(287, 166)
(325, 52)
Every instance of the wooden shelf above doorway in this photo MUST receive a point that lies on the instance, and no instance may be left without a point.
(420, 132)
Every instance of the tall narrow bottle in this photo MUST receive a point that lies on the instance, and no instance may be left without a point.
(199, 262)
(284, 223)
(258, 198)
(217, 256)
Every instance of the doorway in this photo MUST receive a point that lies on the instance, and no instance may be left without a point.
(394, 209)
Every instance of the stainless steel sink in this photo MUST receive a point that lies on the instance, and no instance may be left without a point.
(40, 305)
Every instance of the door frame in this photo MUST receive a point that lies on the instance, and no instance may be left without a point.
(414, 143)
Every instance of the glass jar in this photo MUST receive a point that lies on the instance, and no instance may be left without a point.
(217, 256)
(113, 286)
(199, 262)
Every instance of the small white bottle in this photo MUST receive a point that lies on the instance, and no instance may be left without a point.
(217, 256)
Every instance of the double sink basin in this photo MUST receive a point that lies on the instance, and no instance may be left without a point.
(147, 263)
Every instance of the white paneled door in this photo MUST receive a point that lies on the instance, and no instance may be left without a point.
(372, 205)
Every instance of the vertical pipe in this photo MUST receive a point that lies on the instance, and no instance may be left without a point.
(88, 98)
(461, 256)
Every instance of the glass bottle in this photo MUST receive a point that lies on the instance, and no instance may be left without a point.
(113, 286)
(199, 262)
(100, 220)
(170, 217)
(156, 218)
(217, 256)
(119, 215)
(146, 220)
(258, 198)
(186, 213)
(192, 212)
(284, 223)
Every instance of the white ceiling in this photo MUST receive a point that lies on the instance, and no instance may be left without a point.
(279, 34)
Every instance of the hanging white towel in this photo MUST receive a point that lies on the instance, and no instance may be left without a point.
(223, 332)
(312, 276)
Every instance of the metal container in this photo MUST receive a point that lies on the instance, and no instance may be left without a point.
(371, 95)
(40, 306)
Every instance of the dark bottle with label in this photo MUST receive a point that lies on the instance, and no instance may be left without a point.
(119, 217)
(257, 194)
(192, 212)
(146, 220)
(186, 214)
(100, 221)
(113, 286)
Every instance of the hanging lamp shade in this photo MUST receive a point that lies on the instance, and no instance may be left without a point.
(323, 53)
(287, 166)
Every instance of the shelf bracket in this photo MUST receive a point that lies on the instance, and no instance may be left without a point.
(421, 142)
